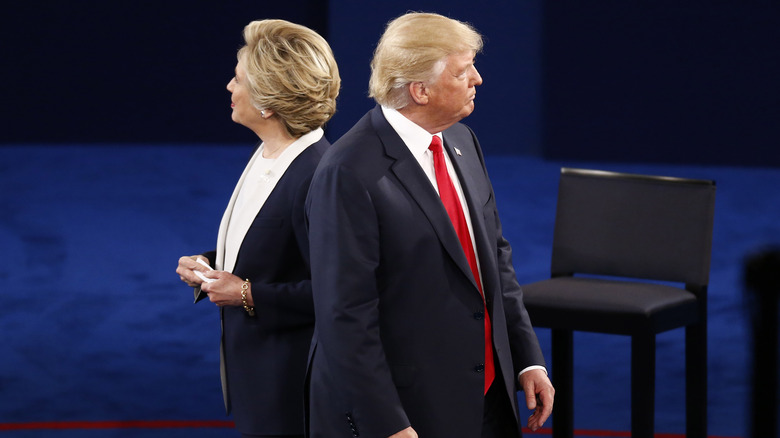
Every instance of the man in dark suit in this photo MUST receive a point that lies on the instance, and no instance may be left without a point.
(420, 325)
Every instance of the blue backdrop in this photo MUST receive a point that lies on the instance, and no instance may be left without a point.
(603, 80)
(666, 81)
(507, 115)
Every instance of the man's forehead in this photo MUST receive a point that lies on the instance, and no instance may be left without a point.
(463, 58)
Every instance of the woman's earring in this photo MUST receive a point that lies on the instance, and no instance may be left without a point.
(262, 113)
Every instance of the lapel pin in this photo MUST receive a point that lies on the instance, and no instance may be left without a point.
(457, 151)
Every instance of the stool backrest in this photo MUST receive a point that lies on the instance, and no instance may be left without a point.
(636, 226)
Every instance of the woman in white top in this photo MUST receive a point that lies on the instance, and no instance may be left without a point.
(285, 88)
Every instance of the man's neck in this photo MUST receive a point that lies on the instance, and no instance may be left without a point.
(423, 118)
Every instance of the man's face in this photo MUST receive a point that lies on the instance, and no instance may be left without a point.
(451, 96)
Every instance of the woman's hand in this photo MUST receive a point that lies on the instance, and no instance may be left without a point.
(187, 265)
(226, 290)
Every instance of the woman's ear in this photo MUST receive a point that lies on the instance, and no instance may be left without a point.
(419, 93)
(266, 113)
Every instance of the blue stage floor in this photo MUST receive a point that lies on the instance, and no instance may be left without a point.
(97, 326)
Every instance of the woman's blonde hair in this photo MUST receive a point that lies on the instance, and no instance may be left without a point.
(291, 70)
(413, 49)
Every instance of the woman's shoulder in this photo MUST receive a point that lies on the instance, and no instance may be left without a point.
(310, 157)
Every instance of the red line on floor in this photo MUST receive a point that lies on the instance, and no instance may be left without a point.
(606, 433)
(133, 424)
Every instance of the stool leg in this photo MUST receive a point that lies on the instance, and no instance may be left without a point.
(696, 380)
(643, 385)
(563, 380)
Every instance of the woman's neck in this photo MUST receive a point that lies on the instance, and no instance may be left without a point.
(274, 149)
(275, 141)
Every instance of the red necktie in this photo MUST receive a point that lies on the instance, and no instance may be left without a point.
(449, 197)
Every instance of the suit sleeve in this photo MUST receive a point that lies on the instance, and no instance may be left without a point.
(522, 338)
(345, 255)
(287, 305)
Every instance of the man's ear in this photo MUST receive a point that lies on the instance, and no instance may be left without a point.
(419, 93)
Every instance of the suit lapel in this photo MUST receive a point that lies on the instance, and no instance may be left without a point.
(467, 165)
(412, 177)
(222, 235)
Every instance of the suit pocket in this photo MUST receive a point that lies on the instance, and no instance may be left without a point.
(403, 375)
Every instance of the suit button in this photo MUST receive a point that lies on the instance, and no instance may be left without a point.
(478, 316)
(352, 425)
(480, 368)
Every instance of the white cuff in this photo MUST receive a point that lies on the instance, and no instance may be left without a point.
(532, 367)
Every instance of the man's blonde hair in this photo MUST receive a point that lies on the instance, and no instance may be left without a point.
(413, 49)
(291, 70)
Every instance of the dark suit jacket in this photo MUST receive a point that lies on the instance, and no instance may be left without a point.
(265, 355)
(399, 336)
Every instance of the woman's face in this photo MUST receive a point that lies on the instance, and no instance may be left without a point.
(243, 110)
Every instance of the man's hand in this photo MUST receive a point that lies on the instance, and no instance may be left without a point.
(539, 396)
(406, 433)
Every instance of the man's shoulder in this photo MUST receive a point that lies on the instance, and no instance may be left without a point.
(361, 142)
(362, 130)
(459, 130)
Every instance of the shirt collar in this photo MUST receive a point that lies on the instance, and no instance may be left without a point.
(413, 135)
